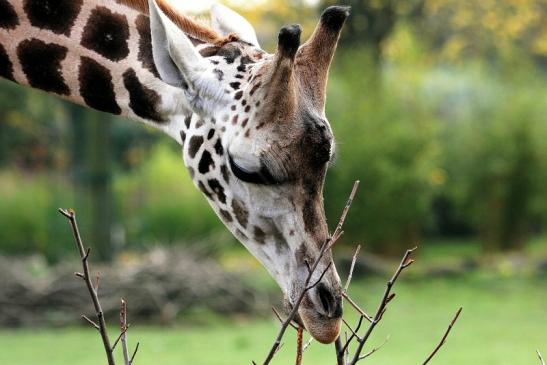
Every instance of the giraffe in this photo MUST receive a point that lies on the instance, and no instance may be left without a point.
(252, 125)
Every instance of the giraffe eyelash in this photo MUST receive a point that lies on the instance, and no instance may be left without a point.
(262, 177)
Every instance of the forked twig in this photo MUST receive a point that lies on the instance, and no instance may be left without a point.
(375, 349)
(327, 245)
(443, 339)
(84, 254)
(405, 262)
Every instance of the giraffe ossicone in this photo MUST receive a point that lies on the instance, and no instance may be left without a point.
(252, 125)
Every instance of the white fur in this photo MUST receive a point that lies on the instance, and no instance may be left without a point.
(179, 62)
(226, 21)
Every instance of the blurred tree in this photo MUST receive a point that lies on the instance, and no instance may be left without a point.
(487, 29)
(388, 140)
(373, 21)
(92, 175)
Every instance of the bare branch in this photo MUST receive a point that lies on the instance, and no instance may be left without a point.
(134, 353)
(340, 354)
(337, 232)
(93, 324)
(356, 307)
(405, 262)
(375, 349)
(540, 358)
(123, 331)
(352, 267)
(320, 277)
(353, 335)
(327, 245)
(120, 337)
(278, 315)
(443, 339)
(299, 335)
(84, 255)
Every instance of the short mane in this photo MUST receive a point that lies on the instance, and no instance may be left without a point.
(188, 25)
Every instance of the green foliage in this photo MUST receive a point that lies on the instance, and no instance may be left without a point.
(159, 202)
(494, 158)
(28, 219)
(388, 140)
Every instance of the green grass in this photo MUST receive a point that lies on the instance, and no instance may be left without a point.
(504, 321)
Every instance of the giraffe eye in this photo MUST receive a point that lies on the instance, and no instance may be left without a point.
(261, 176)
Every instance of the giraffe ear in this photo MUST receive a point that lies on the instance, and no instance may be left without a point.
(180, 64)
(226, 21)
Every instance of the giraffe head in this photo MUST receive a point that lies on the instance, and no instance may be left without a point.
(257, 144)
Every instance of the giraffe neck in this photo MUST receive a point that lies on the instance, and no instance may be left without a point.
(96, 53)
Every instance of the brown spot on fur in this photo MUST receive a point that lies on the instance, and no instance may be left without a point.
(205, 162)
(254, 89)
(259, 235)
(107, 34)
(96, 86)
(145, 44)
(226, 215)
(6, 67)
(206, 192)
(8, 16)
(143, 101)
(55, 15)
(41, 64)
(241, 212)
(224, 172)
(301, 255)
(195, 144)
(217, 189)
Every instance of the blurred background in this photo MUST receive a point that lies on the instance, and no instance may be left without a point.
(439, 107)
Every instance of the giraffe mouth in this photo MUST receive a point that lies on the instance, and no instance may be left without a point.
(323, 322)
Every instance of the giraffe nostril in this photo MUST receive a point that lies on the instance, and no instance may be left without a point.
(328, 301)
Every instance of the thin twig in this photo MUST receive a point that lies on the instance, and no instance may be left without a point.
(540, 358)
(84, 254)
(351, 329)
(119, 337)
(340, 354)
(123, 331)
(306, 287)
(356, 307)
(278, 315)
(375, 349)
(299, 335)
(352, 267)
(443, 339)
(307, 344)
(93, 324)
(134, 353)
(338, 230)
(405, 262)
(320, 277)
(353, 335)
